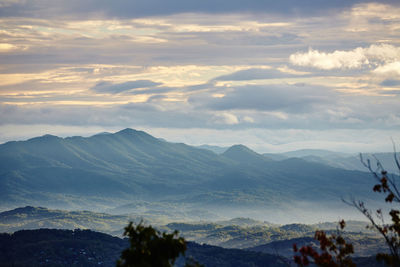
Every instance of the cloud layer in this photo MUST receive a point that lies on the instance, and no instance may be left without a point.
(141, 8)
(115, 88)
(220, 66)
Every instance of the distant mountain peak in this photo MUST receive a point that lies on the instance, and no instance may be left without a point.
(49, 136)
(239, 149)
(242, 153)
(137, 135)
(127, 131)
(314, 152)
(215, 149)
(102, 133)
(46, 137)
(130, 131)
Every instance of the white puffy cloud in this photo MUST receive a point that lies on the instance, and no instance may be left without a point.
(328, 61)
(374, 55)
(392, 68)
(383, 52)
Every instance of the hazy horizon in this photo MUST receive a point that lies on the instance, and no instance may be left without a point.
(172, 138)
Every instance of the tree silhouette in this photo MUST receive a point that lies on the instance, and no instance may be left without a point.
(387, 185)
(150, 248)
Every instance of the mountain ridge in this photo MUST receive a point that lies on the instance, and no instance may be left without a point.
(110, 170)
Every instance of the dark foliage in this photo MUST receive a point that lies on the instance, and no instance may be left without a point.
(66, 248)
(48, 247)
(212, 256)
(149, 247)
(333, 251)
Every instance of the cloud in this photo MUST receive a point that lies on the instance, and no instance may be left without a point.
(390, 83)
(5, 47)
(248, 119)
(352, 59)
(328, 61)
(256, 36)
(121, 116)
(254, 74)
(288, 98)
(392, 69)
(384, 52)
(368, 17)
(6, 3)
(115, 88)
(225, 118)
(264, 107)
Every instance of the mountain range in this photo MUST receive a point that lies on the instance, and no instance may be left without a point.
(128, 168)
(348, 161)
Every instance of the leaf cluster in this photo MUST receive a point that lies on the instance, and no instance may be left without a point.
(333, 251)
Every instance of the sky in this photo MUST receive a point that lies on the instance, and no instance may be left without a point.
(273, 75)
